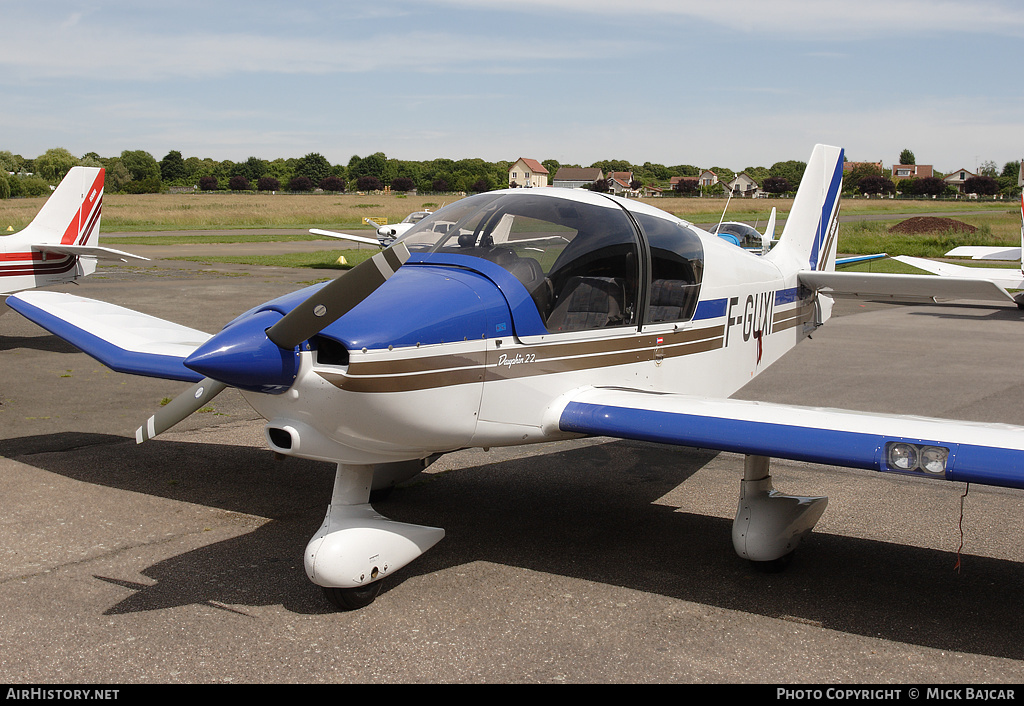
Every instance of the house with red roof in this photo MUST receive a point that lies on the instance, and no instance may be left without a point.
(527, 173)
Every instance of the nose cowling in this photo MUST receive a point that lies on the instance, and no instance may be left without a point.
(242, 356)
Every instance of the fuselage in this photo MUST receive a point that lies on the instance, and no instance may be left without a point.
(469, 344)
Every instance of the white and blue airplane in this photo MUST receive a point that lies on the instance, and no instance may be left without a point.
(589, 315)
(61, 243)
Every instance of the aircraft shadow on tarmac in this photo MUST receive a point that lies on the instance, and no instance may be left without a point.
(939, 309)
(47, 344)
(585, 513)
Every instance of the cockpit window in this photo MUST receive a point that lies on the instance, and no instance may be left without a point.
(677, 265)
(578, 258)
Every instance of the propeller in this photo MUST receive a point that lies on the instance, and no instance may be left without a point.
(252, 356)
(180, 407)
(339, 297)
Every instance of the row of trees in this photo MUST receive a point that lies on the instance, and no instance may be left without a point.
(137, 171)
(140, 172)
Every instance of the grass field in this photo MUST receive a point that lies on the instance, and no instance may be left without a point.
(998, 222)
(148, 212)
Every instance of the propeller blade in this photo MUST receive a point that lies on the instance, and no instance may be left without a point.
(339, 297)
(180, 407)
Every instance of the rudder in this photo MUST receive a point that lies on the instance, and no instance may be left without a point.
(71, 216)
(808, 241)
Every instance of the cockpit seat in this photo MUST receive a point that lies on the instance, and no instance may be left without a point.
(587, 302)
(671, 300)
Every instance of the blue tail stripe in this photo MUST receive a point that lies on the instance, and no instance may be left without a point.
(826, 211)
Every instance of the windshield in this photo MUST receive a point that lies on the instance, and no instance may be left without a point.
(578, 257)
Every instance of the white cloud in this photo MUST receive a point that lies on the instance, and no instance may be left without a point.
(824, 18)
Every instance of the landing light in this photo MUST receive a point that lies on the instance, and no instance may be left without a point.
(903, 457)
(909, 458)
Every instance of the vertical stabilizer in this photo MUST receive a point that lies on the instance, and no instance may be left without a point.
(61, 242)
(71, 216)
(808, 241)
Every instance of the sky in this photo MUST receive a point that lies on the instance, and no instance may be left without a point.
(734, 84)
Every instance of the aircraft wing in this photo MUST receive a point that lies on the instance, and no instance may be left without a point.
(96, 251)
(984, 252)
(1008, 278)
(123, 340)
(877, 284)
(345, 236)
(991, 454)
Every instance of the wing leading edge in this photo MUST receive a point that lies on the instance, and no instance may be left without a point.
(989, 454)
(124, 340)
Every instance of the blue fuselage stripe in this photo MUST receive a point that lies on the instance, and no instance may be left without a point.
(710, 309)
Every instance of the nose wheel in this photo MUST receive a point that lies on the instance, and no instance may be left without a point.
(356, 547)
(352, 598)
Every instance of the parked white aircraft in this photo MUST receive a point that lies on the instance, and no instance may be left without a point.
(1005, 277)
(60, 244)
(386, 234)
(586, 315)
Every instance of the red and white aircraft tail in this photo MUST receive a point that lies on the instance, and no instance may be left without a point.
(61, 242)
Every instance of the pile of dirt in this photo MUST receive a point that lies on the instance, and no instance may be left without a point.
(931, 224)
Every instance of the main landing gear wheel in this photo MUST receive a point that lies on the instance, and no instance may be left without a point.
(353, 598)
(773, 566)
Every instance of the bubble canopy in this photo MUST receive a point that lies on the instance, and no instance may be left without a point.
(587, 260)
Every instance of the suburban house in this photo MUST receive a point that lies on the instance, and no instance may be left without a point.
(957, 178)
(911, 171)
(576, 177)
(619, 183)
(707, 178)
(527, 173)
(743, 185)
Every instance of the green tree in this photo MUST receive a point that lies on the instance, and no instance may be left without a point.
(792, 171)
(118, 176)
(314, 167)
(907, 157)
(53, 164)
(989, 169)
(141, 165)
(373, 166)
(172, 167)
(10, 162)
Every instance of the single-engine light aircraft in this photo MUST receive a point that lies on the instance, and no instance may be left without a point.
(535, 315)
(60, 244)
(386, 234)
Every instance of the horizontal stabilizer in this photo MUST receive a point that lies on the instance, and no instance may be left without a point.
(124, 340)
(990, 454)
(860, 258)
(100, 253)
(876, 284)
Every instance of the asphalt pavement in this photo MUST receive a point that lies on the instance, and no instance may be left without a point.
(591, 561)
